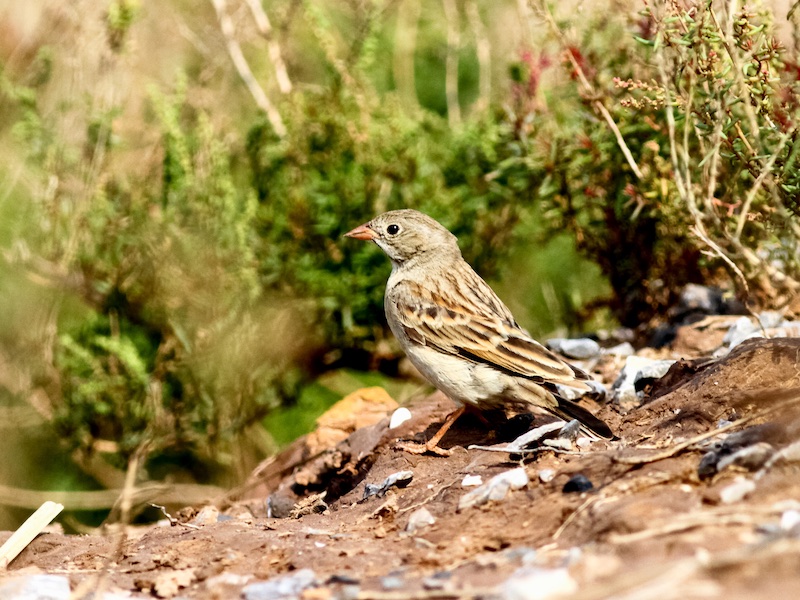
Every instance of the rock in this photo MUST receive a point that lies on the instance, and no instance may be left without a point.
(751, 458)
(570, 431)
(581, 348)
(400, 479)
(523, 554)
(471, 481)
(400, 416)
(419, 519)
(736, 491)
(281, 588)
(279, 505)
(637, 371)
(168, 583)
(770, 319)
(207, 515)
(558, 443)
(35, 587)
(743, 329)
(437, 581)
(532, 583)
(577, 484)
(708, 465)
(790, 522)
(546, 475)
(495, 489)
(700, 298)
(392, 582)
(745, 448)
(622, 350)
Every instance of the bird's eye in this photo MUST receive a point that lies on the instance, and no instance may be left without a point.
(393, 229)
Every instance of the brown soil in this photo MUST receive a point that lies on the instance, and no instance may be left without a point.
(650, 528)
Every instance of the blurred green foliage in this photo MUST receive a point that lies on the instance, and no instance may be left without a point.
(176, 263)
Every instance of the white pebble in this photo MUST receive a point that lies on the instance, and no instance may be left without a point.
(400, 416)
(419, 519)
(790, 519)
(736, 491)
(531, 583)
(471, 481)
(547, 475)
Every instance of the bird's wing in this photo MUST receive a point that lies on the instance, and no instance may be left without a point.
(474, 324)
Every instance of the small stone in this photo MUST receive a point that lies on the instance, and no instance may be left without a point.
(495, 489)
(532, 583)
(225, 579)
(343, 579)
(471, 481)
(701, 298)
(523, 554)
(751, 458)
(622, 350)
(547, 475)
(790, 521)
(558, 443)
(206, 516)
(583, 442)
(708, 465)
(400, 416)
(279, 506)
(345, 592)
(736, 491)
(577, 484)
(437, 581)
(570, 431)
(400, 479)
(280, 588)
(637, 369)
(744, 328)
(419, 519)
(581, 348)
(392, 582)
(770, 319)
(35, 587)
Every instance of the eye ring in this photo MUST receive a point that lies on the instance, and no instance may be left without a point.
(393, 229)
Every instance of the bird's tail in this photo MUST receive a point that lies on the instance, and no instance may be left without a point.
(569, 410)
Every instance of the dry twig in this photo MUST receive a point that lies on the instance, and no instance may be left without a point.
(544, 10)
(274, 48)
(243, 68)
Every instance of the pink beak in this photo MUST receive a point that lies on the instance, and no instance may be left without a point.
(362, 232)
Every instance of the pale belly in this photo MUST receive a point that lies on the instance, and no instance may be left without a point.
(460, 380)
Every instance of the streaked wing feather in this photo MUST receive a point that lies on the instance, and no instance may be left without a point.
(479, 328)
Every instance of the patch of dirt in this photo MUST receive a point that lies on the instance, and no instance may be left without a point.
(649, 528)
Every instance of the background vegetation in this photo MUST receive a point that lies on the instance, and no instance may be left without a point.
(176, 179)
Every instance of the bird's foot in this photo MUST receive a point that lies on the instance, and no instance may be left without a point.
(417, 448)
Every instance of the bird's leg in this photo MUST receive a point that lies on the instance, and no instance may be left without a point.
(432, 445)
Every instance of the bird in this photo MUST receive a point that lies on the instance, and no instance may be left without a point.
(458, 333)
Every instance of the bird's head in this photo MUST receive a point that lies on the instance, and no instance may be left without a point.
(407, 234)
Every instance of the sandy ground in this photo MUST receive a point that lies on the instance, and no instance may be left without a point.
(650, 527)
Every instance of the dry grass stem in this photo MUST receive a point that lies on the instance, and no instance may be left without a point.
(244, 70)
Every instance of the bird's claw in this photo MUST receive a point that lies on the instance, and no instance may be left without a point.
(417, 448)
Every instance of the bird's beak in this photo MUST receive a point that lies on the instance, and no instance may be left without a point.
(362, 232)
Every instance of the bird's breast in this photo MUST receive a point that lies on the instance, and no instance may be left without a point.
(461, 380)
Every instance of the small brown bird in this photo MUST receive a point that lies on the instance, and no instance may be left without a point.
(459, 334)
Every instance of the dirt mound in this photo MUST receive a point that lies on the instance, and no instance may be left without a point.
(678, 507)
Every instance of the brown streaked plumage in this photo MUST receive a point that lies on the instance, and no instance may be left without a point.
(459, 334)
